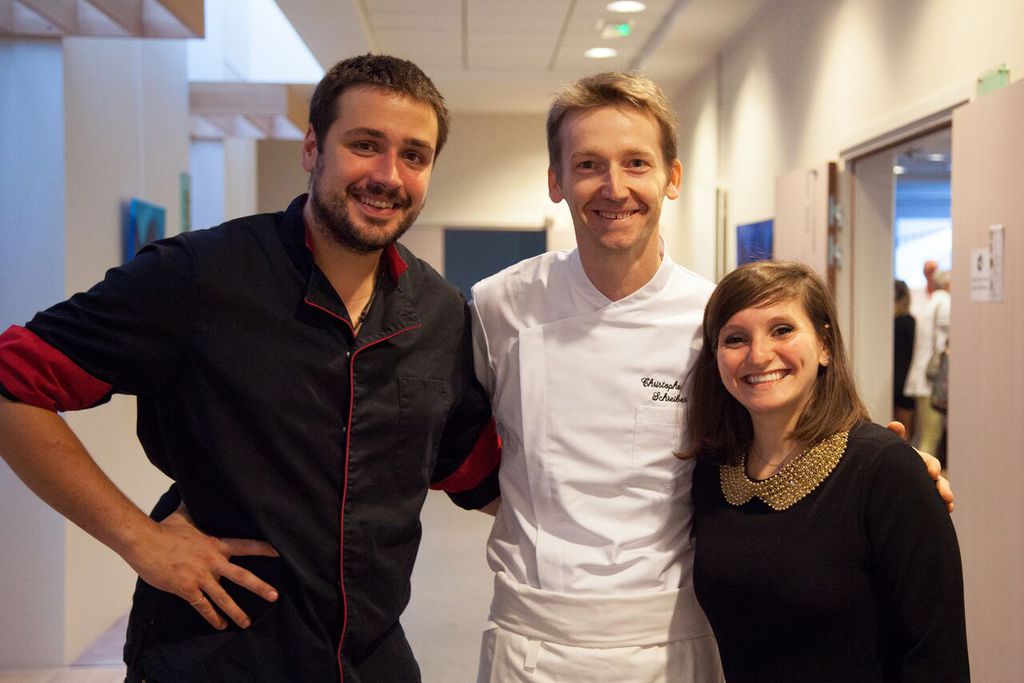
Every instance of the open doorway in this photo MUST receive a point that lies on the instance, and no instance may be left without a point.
(900, 200)
(922, 259)
(922, 223)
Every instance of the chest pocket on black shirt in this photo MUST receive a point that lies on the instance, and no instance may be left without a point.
(423, 408)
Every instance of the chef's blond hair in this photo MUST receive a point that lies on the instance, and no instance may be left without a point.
(627, 89)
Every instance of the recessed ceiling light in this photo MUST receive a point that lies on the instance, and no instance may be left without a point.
(625, 6)
(936, 157)
(898, 170)
(600, 53)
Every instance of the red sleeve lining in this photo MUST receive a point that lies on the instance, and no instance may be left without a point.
(38, 374)
(482, 460)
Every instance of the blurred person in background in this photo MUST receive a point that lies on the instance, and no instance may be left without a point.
(903, 352)
(931, 335)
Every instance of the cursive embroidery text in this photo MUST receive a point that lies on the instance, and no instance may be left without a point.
(668, 390)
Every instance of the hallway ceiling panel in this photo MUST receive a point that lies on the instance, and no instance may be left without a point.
(512, 55)
(109, 18)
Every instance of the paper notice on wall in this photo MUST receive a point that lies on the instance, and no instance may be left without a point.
(981, 275)
(996, 248)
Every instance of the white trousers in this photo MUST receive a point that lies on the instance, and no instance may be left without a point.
(542, 637)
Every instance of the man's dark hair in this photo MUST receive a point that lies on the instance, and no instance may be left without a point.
(379, 71)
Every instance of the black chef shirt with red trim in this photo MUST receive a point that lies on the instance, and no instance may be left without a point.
(275, 424)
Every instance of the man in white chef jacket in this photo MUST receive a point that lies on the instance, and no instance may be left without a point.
(584, 355)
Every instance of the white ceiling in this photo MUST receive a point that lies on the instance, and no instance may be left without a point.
(513, 55)
(122, 18)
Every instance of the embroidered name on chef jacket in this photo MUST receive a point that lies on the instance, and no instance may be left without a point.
(664, 390)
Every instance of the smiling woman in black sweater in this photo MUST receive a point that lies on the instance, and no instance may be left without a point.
(823, 552)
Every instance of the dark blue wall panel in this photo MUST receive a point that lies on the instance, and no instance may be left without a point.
(472, 255)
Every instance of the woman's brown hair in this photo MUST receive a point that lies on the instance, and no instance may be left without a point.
(719, 426)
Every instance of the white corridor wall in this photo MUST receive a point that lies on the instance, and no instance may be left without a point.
(107, 120)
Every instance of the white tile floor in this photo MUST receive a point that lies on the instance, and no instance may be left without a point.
(70, 674)
(451, 592)
(100, 663)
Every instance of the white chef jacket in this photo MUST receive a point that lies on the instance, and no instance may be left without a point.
(588, 398)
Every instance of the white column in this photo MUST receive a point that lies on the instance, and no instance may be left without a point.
(31, 276)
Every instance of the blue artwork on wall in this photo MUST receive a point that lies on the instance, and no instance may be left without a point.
(144, 224)
(753, 242)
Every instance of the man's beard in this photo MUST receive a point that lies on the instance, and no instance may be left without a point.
(333, 214)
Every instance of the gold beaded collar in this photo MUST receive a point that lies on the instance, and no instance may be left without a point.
(798, 478)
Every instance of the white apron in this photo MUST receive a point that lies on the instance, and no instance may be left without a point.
(542, 637)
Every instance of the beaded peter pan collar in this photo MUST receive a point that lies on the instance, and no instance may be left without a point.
(789, 485)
